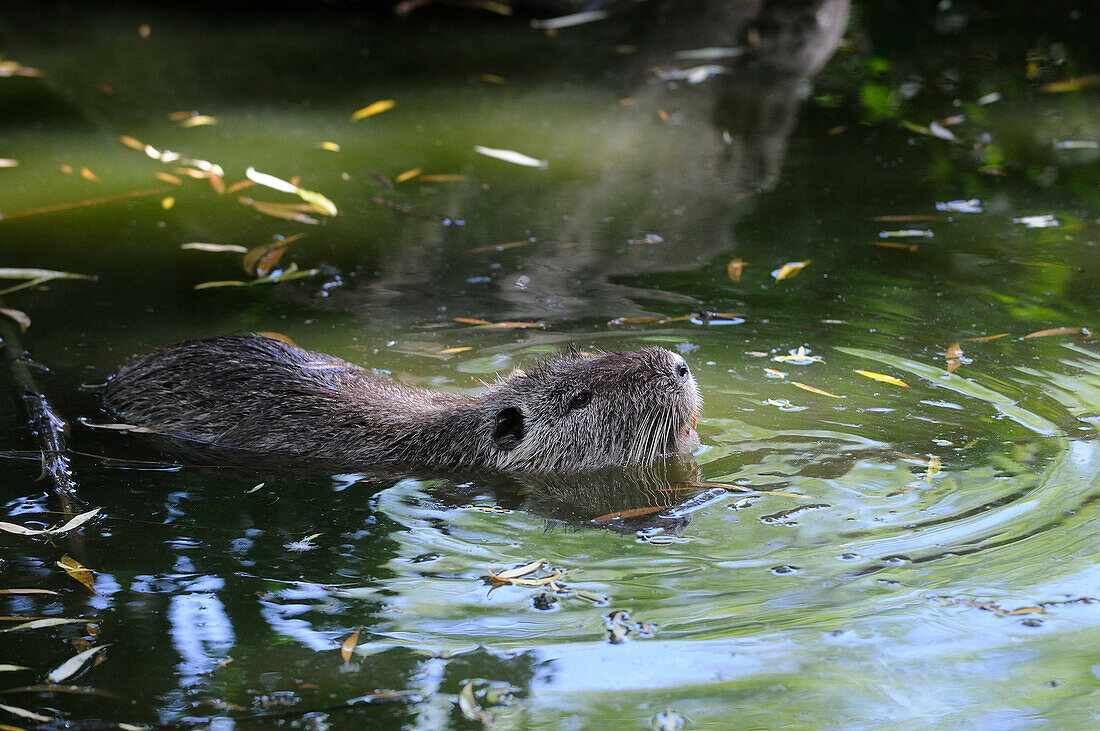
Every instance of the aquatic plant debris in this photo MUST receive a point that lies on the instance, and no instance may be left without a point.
(569, 21)
(382, 105)
(18, 316)
(78, 571)
(883, 378)
(316, 201)
(735, 269)
(789, 269)
(812, 389)
(1046, 220)
(972, 205)
(73, 665)
(801, 356)
(75, 522)
(347, 648)
(516, 158)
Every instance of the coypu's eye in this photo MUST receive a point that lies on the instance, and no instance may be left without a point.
(682, 370)
(580, 400)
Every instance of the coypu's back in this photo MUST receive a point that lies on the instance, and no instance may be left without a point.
(259, 394)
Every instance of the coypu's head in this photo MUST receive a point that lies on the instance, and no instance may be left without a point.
(587, 411)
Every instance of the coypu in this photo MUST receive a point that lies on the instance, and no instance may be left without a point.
(259, 394)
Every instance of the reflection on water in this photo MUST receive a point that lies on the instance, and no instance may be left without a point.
(843, 551)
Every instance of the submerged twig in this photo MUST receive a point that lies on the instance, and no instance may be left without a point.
(48, 427)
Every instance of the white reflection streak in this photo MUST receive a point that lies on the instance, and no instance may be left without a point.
(201, 633)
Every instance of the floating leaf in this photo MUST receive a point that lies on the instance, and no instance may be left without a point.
(219, 248)
(221, 283)
(519, 571)
(1042, 221)
(19, 316)
(317, 202)
(516, 158)
(469, 707)
(167, 202)
(895, 245)
(35, 277)
(28, 591)
(198, 120)
(274, 336)
(348, 646)
(72, 666)
(14, 68)
(734, 269)
(29, 715)
(118, 427)
(7, 162)
(407, 175)
(773, 373)
(75, 522)
(261, 260)
(884, 378)
(630, 513)
(906, 233)
(498, 247)
(285, 211)
(330, 146)
(1057, 331)
(383, 105)
(986, 337)
(1077, 145)
(973, 205)
(1075, 84)
(811, 389)
(934, 466)
(4, 668)
(486, 323)
(568, 21)
(442, 178)
(452, 351)
(801, 356)
(79, 572)
(789, 269)
(42, 623)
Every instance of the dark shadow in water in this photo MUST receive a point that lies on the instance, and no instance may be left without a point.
(715, 90)
(624, 499)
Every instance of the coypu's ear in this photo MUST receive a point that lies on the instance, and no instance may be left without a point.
(508, 431)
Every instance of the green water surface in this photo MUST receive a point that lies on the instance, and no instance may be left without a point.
(898, 555)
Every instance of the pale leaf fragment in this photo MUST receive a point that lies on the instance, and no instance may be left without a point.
(72, 666)
(511, 156)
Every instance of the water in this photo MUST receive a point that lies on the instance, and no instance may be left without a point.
(905, 556)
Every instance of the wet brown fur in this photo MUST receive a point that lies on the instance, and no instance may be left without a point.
(260, 394)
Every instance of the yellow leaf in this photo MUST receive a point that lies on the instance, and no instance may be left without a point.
(407, 175)
(330, 146)
(885, 379)
(789, 269)
(348, 647)
(734, 269)
(811, 389)
(370, 110)
(78, 571)
(934, 466)
(167, 202)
